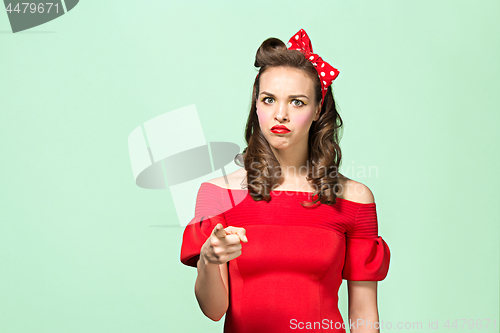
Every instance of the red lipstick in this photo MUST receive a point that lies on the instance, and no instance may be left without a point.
(280, 129)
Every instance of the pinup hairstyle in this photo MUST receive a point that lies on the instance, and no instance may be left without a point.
(263, 168)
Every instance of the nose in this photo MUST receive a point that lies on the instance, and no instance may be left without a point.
(282, 112)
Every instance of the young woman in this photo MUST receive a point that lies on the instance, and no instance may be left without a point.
(273, 240)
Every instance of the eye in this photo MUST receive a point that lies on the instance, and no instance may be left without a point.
(297, 102)
(266, 99)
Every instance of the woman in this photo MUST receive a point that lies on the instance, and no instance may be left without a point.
(286, 275)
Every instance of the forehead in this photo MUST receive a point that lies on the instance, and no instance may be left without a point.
(285, 80)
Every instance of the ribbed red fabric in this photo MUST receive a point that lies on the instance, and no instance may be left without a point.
(290, 271)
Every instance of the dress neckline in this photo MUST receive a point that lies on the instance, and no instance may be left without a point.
(302, 192)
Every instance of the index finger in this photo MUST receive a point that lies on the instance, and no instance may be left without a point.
(219, 231)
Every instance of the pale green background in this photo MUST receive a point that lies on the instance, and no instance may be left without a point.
(418, 91)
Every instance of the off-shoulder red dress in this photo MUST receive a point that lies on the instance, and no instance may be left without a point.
(289, 272)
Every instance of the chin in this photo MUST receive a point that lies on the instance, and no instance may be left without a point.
(280, 146)
(278, 142)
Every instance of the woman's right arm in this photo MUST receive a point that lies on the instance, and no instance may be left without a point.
(211, 287)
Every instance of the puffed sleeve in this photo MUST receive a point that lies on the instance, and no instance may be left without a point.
(208, 212)
(367, 255)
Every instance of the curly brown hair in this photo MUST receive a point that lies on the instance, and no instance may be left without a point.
(263, 168)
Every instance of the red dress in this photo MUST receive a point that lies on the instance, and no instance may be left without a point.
(289, 272)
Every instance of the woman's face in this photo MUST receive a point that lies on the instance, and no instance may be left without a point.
(286, 97)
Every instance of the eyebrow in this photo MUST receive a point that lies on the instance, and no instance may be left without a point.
(291, 96)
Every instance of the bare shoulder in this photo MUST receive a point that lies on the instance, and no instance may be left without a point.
(234, 179)
(355, 191)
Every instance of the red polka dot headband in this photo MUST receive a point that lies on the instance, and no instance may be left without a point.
(300, 41)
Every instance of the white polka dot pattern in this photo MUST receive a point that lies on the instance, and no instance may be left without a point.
(327, 73)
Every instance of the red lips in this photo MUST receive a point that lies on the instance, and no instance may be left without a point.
(280, 129)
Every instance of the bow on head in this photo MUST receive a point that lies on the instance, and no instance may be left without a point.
(300, 41)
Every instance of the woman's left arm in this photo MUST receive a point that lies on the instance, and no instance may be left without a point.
(363, 309)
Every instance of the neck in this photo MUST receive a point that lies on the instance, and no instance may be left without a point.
(294, 161)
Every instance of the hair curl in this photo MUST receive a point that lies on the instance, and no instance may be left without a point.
(263, 168)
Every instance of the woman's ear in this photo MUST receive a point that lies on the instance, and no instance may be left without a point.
(318, 111)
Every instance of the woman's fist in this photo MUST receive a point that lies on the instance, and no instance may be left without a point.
(224, 244)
